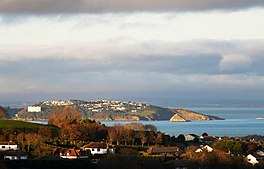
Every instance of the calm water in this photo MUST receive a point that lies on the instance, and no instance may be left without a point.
(238, 122)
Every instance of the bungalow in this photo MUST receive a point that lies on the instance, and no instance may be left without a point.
(98, 148)
(4, 146)
(166, 151)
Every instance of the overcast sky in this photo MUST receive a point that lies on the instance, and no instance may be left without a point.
(140, 49)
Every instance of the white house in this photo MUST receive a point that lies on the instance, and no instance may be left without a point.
(4, 146)
(36, 109)
(204, 148)
(98, 148)
(251, 159)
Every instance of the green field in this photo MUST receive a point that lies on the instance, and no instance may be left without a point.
(18, 124)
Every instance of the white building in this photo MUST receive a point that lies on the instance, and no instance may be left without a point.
(251, 159)
(4, 146)
(98, 148)
(204, 148)
(34, 109)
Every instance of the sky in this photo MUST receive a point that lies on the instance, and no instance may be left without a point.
(131, 50)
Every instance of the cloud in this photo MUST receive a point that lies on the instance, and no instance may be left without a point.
(204, 57)
(106, 6)
(235, 62)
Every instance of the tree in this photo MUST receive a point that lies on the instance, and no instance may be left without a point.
(204, 134)
(238, 147)
(8, 133)
(115, 134)
(30, 140)
(135, 126)
(181, 138)
(3, 113)
(251, 148)
(21, 140)
(61, 116)
(150, 127)
(127, 135)
(44, 132)
(143, 137)
(159, 138)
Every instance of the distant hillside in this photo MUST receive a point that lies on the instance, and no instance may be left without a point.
(108, 110)
(3, 113)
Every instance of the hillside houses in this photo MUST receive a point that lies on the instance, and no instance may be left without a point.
(99, 105)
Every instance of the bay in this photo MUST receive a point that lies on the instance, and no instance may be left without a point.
(238, 122)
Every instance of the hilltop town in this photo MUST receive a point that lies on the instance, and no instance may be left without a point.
(100, 105)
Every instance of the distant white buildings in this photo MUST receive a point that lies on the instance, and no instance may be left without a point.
(58, 103)
(36, 109)
(95, 105)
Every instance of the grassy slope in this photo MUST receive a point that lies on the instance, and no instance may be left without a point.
(18, 124)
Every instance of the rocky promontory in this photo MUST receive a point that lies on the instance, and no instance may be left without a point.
(184, 115)
(109, 110)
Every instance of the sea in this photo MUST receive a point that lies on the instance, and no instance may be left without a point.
(239, 122)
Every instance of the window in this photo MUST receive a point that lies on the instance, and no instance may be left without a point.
(98, 149)
(3, 146)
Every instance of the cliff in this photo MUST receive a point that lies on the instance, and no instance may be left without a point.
(188, 115)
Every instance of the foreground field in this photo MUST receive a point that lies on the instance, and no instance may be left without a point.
(18, 124)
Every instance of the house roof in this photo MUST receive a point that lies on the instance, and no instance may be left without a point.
(208, 138)
(260, 153)
(8, 143)
(71, 152)
(95, 145)
(154, 150)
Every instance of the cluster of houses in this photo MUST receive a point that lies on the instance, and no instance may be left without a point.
(97, 150)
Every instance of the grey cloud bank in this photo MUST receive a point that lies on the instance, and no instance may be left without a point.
(188, 57)
(231, 71)
(112, 6)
